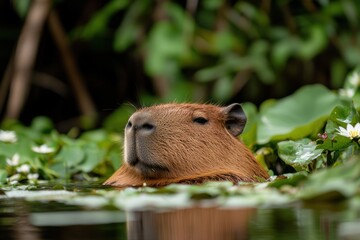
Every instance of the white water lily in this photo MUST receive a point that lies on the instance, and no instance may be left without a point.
(347, 92)
(25, 168)
(354, 79)
(43, 149)
(350, 131)
(14, 161)
(32, 176)
(13, 182)
(14, 179)
(8, 136)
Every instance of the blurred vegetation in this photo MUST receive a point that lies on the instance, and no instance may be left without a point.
(213, 49)
(145, 52)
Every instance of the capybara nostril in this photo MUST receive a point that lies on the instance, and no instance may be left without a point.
(141, 122)
(147, 126)
(129, 125)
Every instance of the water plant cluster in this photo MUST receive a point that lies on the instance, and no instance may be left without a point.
(29, 154)
(308, 141)
(314, 128)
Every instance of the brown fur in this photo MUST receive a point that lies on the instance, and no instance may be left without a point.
(179, 150)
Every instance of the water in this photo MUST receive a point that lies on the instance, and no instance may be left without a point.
(20, 219)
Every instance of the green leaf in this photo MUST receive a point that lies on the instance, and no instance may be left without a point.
(249, 134)
(294, 180)
(181, 91)
(212, 4)
(343, 114)
(93, 156)
(211, 73)
(336, 143)
(282, 50)
(115, 157)
(3, 175)
(70, 155)
(314, 44)
(98, 135)
(98, 23)
(340, 116)
(131, 26)
(22, 147)
(333, 184)
(224, 41)
(296, 116)
(167, 45)
(298, 154)
(351, 88)
(118, 119)
(223, 89)
(42, 124)
(22, 7)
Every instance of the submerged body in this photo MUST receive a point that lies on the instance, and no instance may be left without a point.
(185, 143)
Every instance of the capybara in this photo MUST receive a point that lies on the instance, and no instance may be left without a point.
(185, 143)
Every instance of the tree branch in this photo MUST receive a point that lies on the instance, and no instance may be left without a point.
(25, 56)
(77, 82)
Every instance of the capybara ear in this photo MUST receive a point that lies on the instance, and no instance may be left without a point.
(235, 118)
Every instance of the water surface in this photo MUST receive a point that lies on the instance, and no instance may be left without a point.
(37, 219)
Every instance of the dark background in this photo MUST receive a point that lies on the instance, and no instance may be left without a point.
(230, 51)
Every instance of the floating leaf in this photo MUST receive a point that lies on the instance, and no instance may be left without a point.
(294, 180)
(70, 155)
(299, 115)
(333, 184)
(93, 157)
(336, 143)
(298, 154)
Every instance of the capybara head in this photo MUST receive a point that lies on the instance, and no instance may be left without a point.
(185, 143)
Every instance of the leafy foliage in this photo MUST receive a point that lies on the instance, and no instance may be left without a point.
(306, 131)
(52, 155)
(216, 48)
(300, 115)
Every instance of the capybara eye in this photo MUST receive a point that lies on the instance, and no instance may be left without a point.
(200, 120)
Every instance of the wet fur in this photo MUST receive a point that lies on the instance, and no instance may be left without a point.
(191, 153)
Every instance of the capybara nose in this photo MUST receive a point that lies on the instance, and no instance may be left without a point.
(141, 122)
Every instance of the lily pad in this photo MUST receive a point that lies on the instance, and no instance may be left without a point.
(302, 114)
(298, 154)
(339, 182)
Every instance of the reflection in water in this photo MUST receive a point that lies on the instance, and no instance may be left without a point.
(51, 220)
(195, 223)
(23, 220)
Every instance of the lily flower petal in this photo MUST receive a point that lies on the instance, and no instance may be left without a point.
(8, 136)
(350, 131)
(43, 149)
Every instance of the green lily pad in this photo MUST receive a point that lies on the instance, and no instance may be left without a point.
(302, 114)
(339, 182)
(298, 154)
